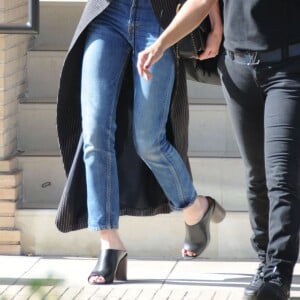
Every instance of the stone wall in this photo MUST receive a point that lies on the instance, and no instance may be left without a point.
(13, 57)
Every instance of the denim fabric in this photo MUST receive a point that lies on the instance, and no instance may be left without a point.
(264, 104)
(114, 39)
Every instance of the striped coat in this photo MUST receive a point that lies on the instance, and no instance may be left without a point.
(140, 194)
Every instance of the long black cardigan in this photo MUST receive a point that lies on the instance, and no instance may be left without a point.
(140, 194)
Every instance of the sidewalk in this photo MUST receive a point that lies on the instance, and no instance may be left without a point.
(65, 278)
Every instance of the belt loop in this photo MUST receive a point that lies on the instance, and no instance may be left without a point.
(255, 58)
(230, 54)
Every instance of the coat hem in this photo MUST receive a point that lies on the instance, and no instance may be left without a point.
(135, 212)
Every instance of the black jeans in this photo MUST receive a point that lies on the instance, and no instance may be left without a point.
(264, 104)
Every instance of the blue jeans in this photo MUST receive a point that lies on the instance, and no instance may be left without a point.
(264, 103)
(115, 38)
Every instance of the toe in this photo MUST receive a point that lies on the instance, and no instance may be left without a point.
(186, 253)
(96, 279)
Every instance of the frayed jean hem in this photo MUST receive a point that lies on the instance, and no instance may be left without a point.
(106, 227)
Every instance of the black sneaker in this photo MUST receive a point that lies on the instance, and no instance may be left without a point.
(251, 290)
(274, 289)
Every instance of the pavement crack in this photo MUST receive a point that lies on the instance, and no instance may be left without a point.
(169, 274)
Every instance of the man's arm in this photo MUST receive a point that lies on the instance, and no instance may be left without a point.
(214, 39)
(191, 14)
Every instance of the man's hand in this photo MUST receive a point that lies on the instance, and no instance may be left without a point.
(213, 43)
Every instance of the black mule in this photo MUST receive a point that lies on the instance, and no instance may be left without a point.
(111, 264)
(197, 236)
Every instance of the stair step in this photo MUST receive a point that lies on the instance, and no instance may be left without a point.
(210, 133)
(222, 178)
(43, 72)
(58, 20)
(133, 230)
(37, 128)
(43, 181)
(43, 82)
(200, 93)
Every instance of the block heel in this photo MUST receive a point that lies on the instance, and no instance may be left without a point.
(218, 213)
(197, 236)
(121, 272)
(111, 264)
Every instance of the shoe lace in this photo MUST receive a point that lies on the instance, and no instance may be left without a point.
(259, 273)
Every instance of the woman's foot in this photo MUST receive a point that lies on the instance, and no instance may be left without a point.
(111, 264)
(192, 215)
(197, 220)
(109, 239)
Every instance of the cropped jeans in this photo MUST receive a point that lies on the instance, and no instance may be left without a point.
(263, 99)
(114, 39)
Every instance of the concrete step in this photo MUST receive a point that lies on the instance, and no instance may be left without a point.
(200, 93)
(37, 128)
(210, 133)
(44, 69)
(43, 181)
(222, 178)
(167, 243)
(58, 20)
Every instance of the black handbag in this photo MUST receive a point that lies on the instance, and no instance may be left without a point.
(204, 71)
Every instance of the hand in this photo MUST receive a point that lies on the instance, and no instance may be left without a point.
(147, 58)
(213, 43)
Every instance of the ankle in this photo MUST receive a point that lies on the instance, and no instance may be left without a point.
(110, 239)
(195, 212)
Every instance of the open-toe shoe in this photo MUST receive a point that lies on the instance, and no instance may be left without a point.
(111, 264)
(197, 236)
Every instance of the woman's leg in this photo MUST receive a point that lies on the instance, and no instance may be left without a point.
(102, 72)
(151, 110)
(105, 57)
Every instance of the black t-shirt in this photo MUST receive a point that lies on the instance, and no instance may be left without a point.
(261, 24)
